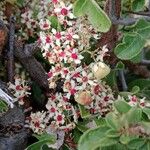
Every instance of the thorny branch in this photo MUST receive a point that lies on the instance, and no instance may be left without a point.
(10, 52)
(24, 53)
(35, 69)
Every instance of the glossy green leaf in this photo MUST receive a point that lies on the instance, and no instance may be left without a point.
(112, 121)
(146, 146)
(138, 5)
(134, 115)
(122, 106)
(84, 112)
(79, 6)
(130, 47)
(112, 133)
(54, 22)
(3, 106)
(20, 2)
(82, 128)
(43, 139)
(95, 138)
(136, 143)
(100, 121)
(95, 14)
(111, 79)
(147, 112)
(141, 83)
(135, 90)
(120, 65)
(125, 139)
(117, 146)
(133, 42)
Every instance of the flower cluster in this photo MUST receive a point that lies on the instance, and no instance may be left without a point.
(63, 39)
(19, 89)
(134, 101)
(38, 122)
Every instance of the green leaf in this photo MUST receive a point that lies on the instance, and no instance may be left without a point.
(122, 106)
(79, 6)
(43, 139)
(130, 47)
(137, 59)
(140, 24)
(133, 41)
(20, 2)
(147, 112)
(100, 121)
(54, 22)
(125, 139)
(112, 133)
(146, 146)
(138, 5)
(136, 143)
(112, 121)
(111, 79)
(120, 65)
(82, 128)
(84, 112)
(3, 106)
(96, 16)
(117, 146)
(141, 83)
(76, 135)
(135, 90)
(134, 115)
(95, 138)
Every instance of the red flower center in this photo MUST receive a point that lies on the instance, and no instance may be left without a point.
(58, 35)
(55, 1)
(64, 12)
(48, 54)
(97, 89)
(76, 75)
(62, 54)
(134, 99)
(59, 118)
(106, 98)
(48, 39)
(45, 25)
(85, 79)
(52, 110)
(37, 124)
(74, 56)
(65, 71)
(73, 91)
(50, 74)
(69, 37)
(18, 87)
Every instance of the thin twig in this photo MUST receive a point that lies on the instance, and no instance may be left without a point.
(128, 21)
(10, 54)
(141, 13)
(145, 62)
(112, 9)
(122, 79)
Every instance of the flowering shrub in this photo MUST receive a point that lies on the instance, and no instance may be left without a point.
(84, 91)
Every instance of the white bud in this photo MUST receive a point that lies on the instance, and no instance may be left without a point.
(100, 70)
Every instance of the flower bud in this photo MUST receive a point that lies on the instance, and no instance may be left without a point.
(100, 70)
(83, 98)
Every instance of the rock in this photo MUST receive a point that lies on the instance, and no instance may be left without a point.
(13, 134)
